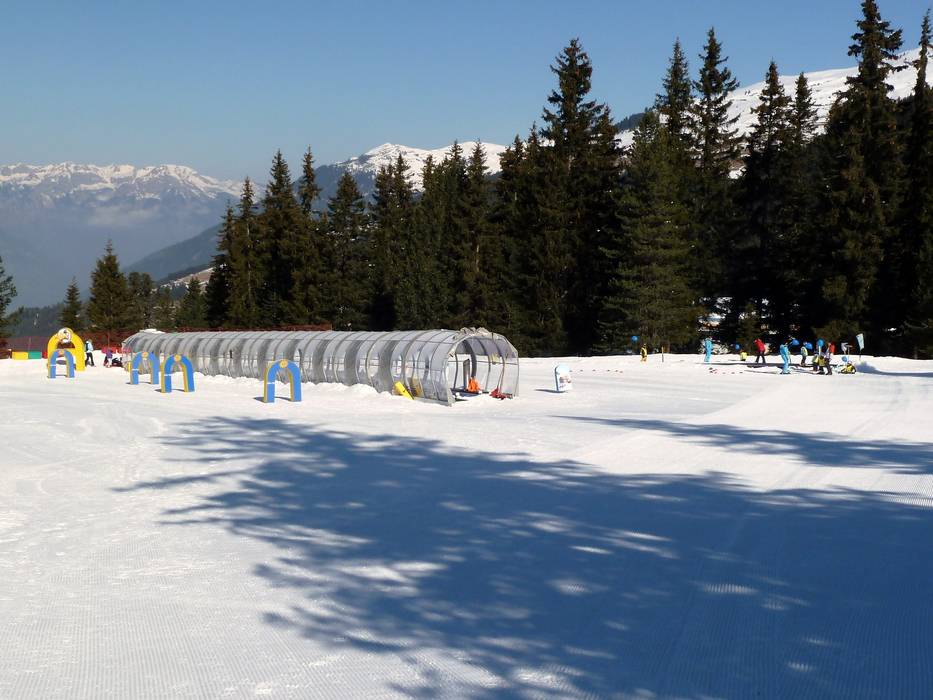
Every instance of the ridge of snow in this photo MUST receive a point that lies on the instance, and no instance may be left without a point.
(68, 178)
(387, 153)
(825, 85)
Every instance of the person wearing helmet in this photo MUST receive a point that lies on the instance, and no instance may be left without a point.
(804, 353)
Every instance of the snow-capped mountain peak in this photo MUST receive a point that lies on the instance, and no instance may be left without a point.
(825, 85)
(387, 153)
(74, 179)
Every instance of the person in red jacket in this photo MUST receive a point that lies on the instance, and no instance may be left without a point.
(760, 351)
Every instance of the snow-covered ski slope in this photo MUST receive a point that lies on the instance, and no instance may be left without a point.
(663, 531)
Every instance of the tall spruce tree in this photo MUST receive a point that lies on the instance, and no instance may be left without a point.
(245, 264)
(794, 262)
(649, 294)
(217, 291)
(163, 309)
(716, 151)
(541, 273)
(917, 220)
(584, 158)
(674, 103)
(392, 253)
(764, 186)
(70, 316)
(109, 306)
(141, 289)
(191, 309)
(860, 196)
(308, 190)
(504, 251)
(347, 280)
(284, 248)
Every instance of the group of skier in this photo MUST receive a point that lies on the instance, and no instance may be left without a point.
(822, 362)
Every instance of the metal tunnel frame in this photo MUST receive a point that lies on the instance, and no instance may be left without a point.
(434, 365)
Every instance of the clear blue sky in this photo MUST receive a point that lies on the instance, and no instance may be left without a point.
(220, 85)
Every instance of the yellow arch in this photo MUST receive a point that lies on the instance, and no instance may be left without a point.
(78, 351)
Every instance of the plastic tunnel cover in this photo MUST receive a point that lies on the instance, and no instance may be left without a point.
(421, 359)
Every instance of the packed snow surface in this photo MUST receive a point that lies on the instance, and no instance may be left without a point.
(664, 530)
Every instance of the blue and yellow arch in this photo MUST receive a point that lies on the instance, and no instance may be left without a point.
(154, 365)
(294, 379)
(69, 360)
(187, 373)
(66, 335)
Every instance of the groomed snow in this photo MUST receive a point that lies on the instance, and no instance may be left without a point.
(664, 531)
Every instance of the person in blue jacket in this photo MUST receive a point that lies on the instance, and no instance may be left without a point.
(708, 349)
(785, 356)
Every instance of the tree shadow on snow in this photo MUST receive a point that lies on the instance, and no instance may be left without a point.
(817, 449)
(559, 580)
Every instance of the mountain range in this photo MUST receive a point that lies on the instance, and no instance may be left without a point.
(56, 219)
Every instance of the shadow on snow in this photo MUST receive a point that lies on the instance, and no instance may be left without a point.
(563, 581)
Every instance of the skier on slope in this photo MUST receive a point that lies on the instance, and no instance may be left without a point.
(708, 349)
(785, 356)
(89, 353)
(760, 351)
(644, 352)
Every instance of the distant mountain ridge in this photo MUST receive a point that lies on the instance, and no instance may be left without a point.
(197, 252)
(56, 219)
(825, 85)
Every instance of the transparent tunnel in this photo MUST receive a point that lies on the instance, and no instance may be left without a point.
(436, 365)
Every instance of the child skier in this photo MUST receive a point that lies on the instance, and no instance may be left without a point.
(760, 351)
(785, 356)
(88, 353)
(708, 349)
(644, 352)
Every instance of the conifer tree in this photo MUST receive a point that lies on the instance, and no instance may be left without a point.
(505, 249)
(763, 192)
(442, 225)
(862, 171)
(586, 170)
(245, 267)
(541, 272)
(141, 290)
(7, 294)
(485, 277)
(70, 316)
(308, 190)
(191, 309)
(284, 248)
(917, 220)
(675, 102)
(347, 280)
(217, 291)
(391, 251)
(163, 309)
(109, 306)
(649, 294)
(794, 262)
(716, 151)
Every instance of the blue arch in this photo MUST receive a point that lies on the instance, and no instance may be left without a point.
(154, 364)
(69, 359)
(187, 373)
(294, 374)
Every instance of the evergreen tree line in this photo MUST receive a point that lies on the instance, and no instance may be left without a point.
(577, 244)
(119, 302)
